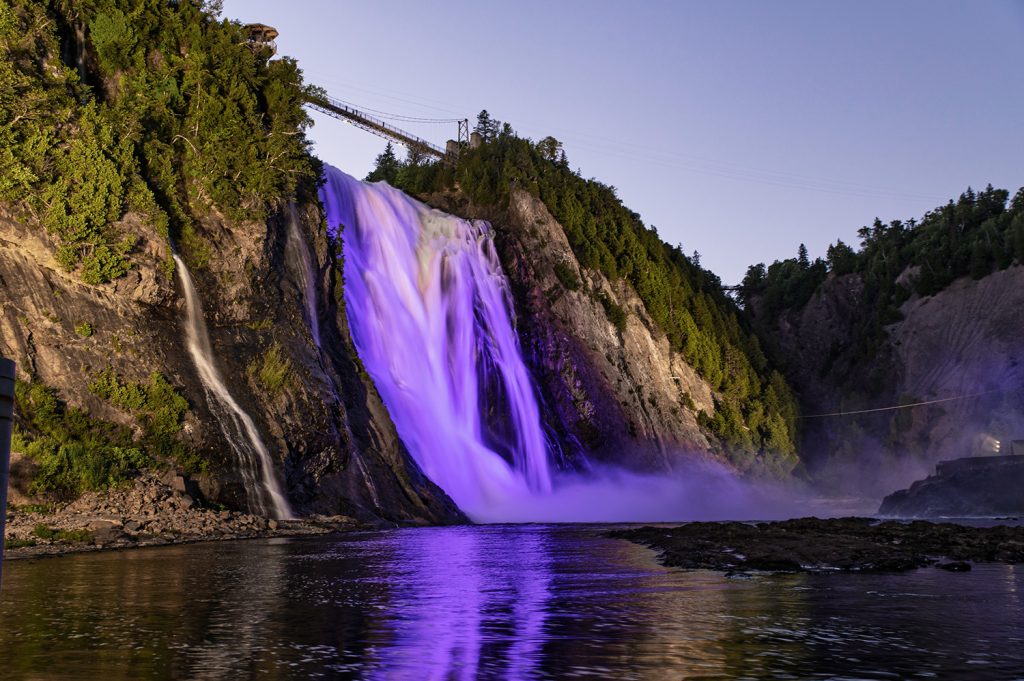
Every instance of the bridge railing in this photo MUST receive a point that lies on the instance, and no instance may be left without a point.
(332, 107)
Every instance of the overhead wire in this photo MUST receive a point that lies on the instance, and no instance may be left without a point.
(904, 406)
(687, 163)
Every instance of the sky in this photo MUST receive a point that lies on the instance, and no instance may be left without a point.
(739, 129)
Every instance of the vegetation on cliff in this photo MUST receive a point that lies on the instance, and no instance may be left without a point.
(160, 109)
(756, 411)
(157, 108)
(975, 235)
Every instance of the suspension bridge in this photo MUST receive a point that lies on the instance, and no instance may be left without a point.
(376, 124)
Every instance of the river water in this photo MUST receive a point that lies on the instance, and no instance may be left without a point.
(501, 602)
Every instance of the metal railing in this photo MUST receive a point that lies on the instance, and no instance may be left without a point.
(332, 107)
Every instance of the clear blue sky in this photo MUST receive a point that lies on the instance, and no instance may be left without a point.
(739, 129)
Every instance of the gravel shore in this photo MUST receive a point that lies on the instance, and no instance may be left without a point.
(149, 512)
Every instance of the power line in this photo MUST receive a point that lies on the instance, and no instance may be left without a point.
(905, 406)
(398, 117)
(684, 162)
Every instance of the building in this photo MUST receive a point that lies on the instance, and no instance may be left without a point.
(261, 37)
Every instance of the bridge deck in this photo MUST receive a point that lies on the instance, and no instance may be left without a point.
(332, 107)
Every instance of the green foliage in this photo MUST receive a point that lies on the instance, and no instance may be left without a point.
(978, 234)
(35, 508)
(176, 118)
(157, 406)
(274, 371)
(386, 166)
(18, 441)
(683, 299)
(44, 531)
(616, 315)
(567, 276)
(84, 329)
(75, 452)
(12, 543)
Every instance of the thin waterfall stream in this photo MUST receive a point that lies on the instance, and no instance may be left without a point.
(300, 261)
(262, 488)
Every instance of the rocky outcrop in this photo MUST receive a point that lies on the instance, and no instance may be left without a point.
(984, 486)
(965, 342)
(615, 392)
(330, 436)
(149, 512)
(813, 544)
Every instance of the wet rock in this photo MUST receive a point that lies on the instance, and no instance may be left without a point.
(846, 544)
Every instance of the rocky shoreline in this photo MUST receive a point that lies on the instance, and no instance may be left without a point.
(839, 544)
(150, 512)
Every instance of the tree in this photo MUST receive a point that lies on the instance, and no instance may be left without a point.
(550, 148)
(841, 258)
(386, 166)
(486, 126)
(801, 257)
(415, 156)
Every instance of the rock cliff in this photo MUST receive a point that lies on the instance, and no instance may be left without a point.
(961, 349)
(331, 439)
(612, 390)
(984, 486)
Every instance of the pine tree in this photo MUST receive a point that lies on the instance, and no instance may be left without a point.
(802, 258)
(386, 166)
(486, 126)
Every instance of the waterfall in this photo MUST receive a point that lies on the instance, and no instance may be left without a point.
(432, 319)
(261, 486)
(300, 261)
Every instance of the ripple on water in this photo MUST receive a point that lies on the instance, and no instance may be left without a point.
(519, 602)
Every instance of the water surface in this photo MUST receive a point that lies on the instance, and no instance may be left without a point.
(517, 602)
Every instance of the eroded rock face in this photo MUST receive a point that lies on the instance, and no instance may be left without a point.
(618, 396)
(332, 440)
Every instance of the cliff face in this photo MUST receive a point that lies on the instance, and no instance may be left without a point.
(964, 342)
(612, 393)
(984, 486)
(331, 439)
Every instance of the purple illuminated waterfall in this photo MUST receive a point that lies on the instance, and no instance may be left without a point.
(431, 316)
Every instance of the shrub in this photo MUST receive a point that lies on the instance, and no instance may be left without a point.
(274, 371)
(175, 117)
(567, 275)
(84, 329)
(74, 451)
(157, 406)
(616, 315)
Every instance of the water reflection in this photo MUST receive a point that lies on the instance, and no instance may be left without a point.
(470, 603)
(496, 602)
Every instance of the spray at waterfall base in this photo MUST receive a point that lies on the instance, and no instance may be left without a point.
(432, 318)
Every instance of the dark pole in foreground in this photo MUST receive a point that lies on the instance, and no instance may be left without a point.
(6, 416)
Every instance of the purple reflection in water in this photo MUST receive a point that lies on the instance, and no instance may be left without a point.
(481, 615)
